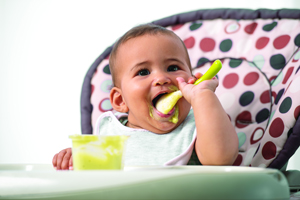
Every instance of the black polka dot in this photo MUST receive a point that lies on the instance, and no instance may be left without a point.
(202, 61)
(269, 27)
(280, 93)
(225, 45)
(297, 70)
(233, 63)
(106, 69)
(297, 40)
(277, 61)
(285, 105)
(262, 115)
(246, 98)
(195, 26)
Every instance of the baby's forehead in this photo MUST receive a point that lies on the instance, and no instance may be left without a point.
(164, 39)
(133, 41)
(150, 35)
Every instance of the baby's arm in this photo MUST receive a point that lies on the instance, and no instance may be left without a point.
(63, 160)
(217, 142)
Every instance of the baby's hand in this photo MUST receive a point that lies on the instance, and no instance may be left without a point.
(189, 90)
(63, 160)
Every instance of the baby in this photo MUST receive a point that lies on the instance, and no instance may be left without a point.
(145, 63)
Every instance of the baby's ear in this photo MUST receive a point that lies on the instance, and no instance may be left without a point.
(117, 101)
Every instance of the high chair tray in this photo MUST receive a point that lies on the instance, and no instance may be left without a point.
(174, 182)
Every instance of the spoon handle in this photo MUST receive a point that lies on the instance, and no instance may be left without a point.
(211, 72)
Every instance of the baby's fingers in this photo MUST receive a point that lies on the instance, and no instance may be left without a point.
(54, 161)
(63, 159)
(66, 160)
(198, 75)
(71, 163)
(59, 159)
(193, 79)
(181, 83)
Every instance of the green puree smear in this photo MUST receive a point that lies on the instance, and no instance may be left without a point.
(174, 118)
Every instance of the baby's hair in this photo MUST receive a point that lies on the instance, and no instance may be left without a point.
(145, 29)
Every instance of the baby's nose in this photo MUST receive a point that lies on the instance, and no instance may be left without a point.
(161, 80)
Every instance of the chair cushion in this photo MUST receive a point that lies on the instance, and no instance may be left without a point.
(259, 81)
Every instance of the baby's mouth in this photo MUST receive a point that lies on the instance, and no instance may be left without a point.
(154, 102)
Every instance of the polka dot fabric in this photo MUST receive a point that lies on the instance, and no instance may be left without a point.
(268, 43)
(254, 55)
(259, 82)
(101, 84)
(284, 113)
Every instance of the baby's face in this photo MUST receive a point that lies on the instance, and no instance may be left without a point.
(147, 67)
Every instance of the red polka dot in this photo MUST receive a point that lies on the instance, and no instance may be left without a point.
(259, 129)
(276, 128)
(251, 78)
(265, 97)
(176, 27)
(295, 60)
(238, 160)
(297, 112)
(288, 87)
(243, 119)
(250, 28)
(262, 42)
(232, 28)
(287, 75)
(269, 150)
(281, 41)
(103, 108)
(274, 96)
(272, 78)
(207, 44)
(189, 42)
(230, 80)
(92, 89)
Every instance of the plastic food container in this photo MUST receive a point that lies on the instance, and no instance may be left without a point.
(94, 152)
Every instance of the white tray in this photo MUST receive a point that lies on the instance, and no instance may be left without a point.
(136, 182)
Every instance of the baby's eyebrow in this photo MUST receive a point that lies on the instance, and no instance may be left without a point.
(175, 59)
(146, 62)
(138, 65)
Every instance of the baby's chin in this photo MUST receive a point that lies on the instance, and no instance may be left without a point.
(160, 123)
(164, 125)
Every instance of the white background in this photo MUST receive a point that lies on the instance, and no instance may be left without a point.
(46, 48)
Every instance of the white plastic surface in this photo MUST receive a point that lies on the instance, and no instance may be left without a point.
(176, 182)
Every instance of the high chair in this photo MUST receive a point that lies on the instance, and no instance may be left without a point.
(259, 87)
(259, 84)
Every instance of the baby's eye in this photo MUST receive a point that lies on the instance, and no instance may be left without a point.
(143, 72)
(172, 68)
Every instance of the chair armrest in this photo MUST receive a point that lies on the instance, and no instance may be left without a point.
(293, 178)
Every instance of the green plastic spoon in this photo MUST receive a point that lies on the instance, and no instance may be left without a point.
(168, 101)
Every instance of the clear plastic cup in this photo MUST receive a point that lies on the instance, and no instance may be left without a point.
(93, 152)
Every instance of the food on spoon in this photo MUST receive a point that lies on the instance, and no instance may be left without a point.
(168, 101)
